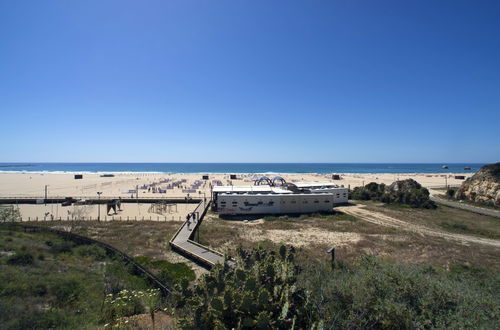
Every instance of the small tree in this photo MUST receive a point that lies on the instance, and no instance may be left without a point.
(9, 214)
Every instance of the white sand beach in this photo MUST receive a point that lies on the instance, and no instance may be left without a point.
(161, 185)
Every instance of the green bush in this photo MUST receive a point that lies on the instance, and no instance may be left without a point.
(172, 273)
(50, 319)
(9, 214)
(21, 259)
(168, 272)
(374, 294)
(60, 246)
(450, 192)
(407, 192)
(93, 251)
(67, 291)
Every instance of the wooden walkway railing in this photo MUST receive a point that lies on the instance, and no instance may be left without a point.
(183, 244)
(155, 281)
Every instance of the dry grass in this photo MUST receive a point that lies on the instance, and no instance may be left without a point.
(367, 238)
(443, 218)
(136, 238)
(314, 234)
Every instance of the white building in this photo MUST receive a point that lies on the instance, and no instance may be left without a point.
(278, 197)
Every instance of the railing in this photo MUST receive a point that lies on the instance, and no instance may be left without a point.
(60, 199)
(109, 249)
(444, 186)
(105, 218)
(203, 207)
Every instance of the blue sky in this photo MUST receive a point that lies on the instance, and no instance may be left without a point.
(250, 81)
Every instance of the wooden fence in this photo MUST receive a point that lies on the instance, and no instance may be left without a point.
(82, 240)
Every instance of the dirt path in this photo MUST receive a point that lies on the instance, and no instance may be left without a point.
(472, 208)
(381, 219)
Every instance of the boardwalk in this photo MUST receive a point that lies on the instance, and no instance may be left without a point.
(182, 241)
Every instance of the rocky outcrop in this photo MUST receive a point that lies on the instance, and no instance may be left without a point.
(483, 187)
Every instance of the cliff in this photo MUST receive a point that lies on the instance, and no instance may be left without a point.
(482, 187)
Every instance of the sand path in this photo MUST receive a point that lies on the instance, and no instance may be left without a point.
(381, 219)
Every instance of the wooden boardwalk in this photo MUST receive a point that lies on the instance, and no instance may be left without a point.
(182, 241)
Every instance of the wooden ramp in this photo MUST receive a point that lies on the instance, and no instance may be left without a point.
(183, 244)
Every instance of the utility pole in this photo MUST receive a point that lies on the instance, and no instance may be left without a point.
(45, 199)
(446, 182)
(99, 205)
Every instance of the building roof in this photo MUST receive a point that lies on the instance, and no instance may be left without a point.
(305, 184)
(223, 189)
(270, 189)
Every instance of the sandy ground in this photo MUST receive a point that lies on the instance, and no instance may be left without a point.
(129, 211)
(64, 184)
(174, 185)
(303, 237)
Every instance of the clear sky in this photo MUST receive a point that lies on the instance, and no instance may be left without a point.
(250, 81)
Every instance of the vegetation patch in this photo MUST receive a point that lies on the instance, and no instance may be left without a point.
(375, 294)
(49, 283)
(170, 273)
(269, 289)
(408, 192)
(464, 228)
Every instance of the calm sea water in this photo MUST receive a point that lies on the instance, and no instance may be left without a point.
(237, 167)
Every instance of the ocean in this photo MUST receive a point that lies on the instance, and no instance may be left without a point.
(238, 167)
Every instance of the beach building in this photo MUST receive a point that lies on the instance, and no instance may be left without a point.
(276, 196)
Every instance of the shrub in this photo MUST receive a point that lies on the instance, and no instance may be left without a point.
(60, 246)
(169, 273)
(93, 251)
(374, 294)
(67, 291)
(172, 273)
(408, 192)
(49, 319)
(8, 214)
(21, 259)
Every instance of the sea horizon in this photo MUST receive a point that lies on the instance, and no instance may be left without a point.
(235, 168)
